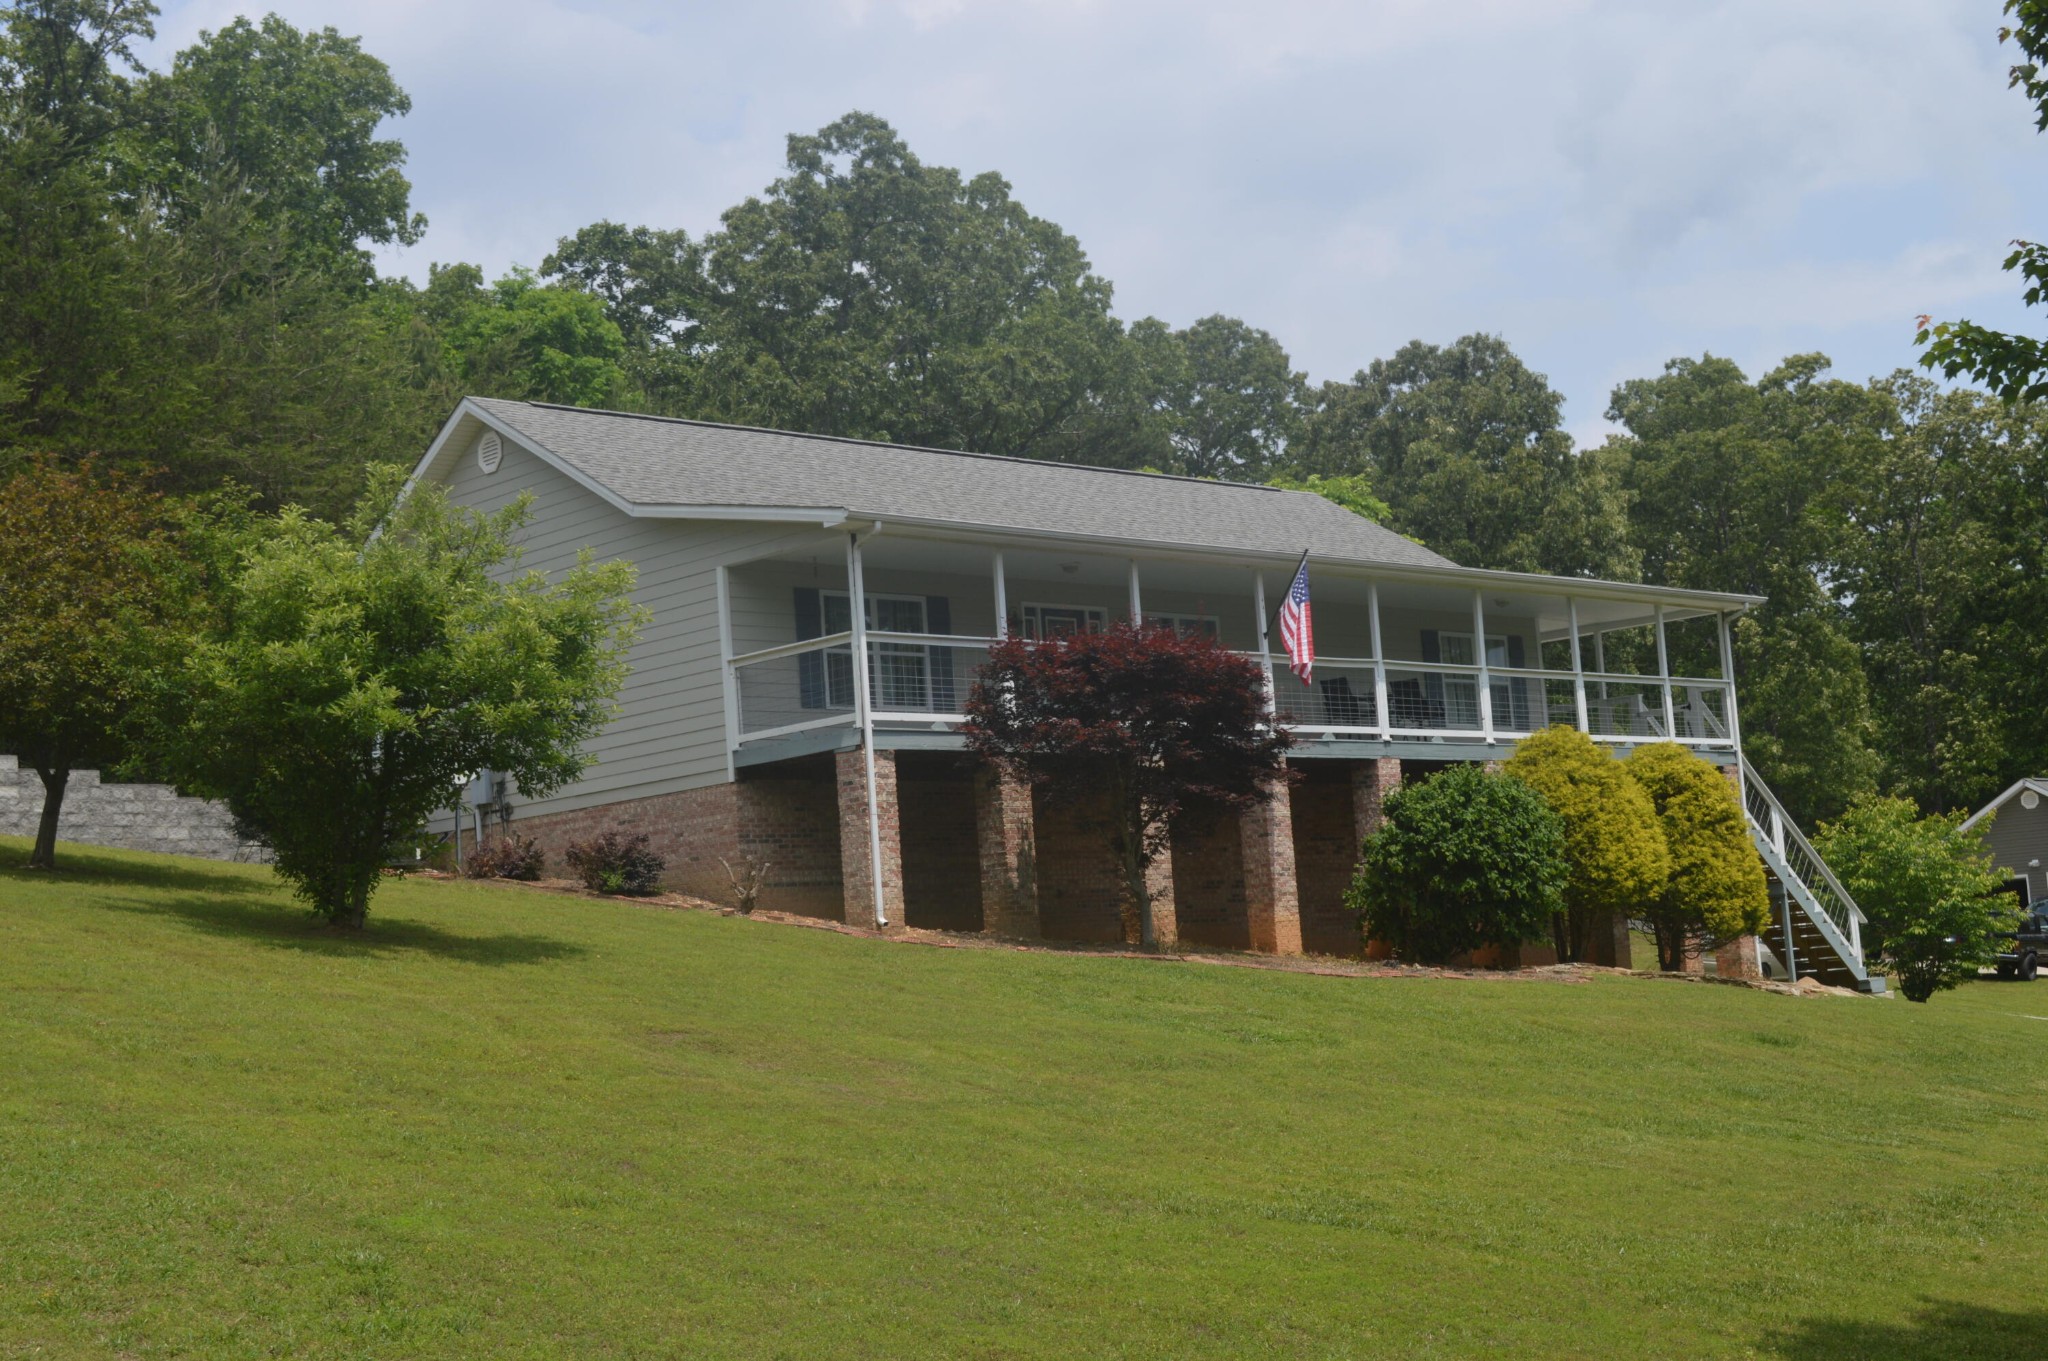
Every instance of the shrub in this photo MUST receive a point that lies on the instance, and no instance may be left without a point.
(611, 863)
(509, 857)
(1613, 846)
(1938, 910)
(1463, 859)
(1716, 891)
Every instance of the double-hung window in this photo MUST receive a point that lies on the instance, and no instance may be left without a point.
(900, 673)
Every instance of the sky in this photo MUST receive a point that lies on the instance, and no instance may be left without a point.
(1608, 185)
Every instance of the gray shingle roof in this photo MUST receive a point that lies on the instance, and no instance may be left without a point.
(650, 460)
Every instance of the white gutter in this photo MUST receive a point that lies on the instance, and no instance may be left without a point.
(864, 710)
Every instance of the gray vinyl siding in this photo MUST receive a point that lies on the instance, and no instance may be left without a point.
(2017, 836)
(670, 731)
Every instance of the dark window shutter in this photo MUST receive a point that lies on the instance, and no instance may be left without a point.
(810, 666)
(1432, 646)
(938, 618)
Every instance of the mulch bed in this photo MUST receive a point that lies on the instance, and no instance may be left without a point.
(1327, 966)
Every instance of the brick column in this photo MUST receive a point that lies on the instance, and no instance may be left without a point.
(1272, 904)
(1739, 958)
(855, 859)
(1007, 833)
(1159, 888)
(1371, 782)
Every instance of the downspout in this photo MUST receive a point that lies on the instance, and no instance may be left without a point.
(865, 715)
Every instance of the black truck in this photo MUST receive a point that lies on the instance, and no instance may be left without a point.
(2022, 960)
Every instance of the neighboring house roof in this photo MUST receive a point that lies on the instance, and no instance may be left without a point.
(2031, 782)
(653, 461)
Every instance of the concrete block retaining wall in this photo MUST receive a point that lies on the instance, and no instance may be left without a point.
(132, 817)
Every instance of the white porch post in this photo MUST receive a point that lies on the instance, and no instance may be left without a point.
(1664, 674)
(1479, 647)
(1265, 648)
(1002, 600)
(1379, 664)
(1137, 601)
(1571, 604)
(864, 715)
(1728, 679)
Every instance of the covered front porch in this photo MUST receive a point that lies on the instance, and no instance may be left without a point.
(1423, 664)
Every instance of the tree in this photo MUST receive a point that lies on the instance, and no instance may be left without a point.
(1463, 859)
(360, 672)
(522, 339)
(870, 294)
(289, 119)
(83, 596)
(1353, 491)
(1613, 847)
(1225, 394)
(1716, 889)
(1937, 908)
(2014, 366)
(1465, 443)
(1730, 484)
(1150, 720)
(1939, 550)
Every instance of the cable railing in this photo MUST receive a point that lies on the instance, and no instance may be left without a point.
(925, 678)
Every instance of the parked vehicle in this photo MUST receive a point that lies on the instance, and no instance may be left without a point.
(2029, 945)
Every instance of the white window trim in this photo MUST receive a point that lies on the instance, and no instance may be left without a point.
(1180, 621)
(1095, 614)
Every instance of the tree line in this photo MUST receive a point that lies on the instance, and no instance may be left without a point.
(188, 290)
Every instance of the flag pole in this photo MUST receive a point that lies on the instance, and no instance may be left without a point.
(1273, 621)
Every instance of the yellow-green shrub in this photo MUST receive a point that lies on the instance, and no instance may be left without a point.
(1613, 845)
(1716, 889)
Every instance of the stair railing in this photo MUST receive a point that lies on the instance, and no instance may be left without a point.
(1806, 876)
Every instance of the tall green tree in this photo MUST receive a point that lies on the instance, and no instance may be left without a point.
(1227, 398)
(523, 339)
(86, 588)
(359, 671)
(1464, 442)
(867, 293)
(289, 118)
(1938, 557)
(1729, 482)
(2015, 367)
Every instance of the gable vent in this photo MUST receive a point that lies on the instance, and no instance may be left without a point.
(489, 450)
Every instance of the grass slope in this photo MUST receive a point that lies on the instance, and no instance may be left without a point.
(517, 1125)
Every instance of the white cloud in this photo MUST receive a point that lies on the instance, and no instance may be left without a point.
(1604, 182)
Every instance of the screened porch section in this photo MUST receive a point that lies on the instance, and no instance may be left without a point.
(1401, 657)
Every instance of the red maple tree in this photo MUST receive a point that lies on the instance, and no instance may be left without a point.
(1149, 719)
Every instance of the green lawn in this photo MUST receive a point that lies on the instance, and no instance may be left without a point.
(508, 1124)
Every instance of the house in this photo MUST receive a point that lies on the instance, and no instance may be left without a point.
(749, 729)
(2018, 837)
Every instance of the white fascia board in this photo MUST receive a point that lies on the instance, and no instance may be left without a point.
(2025, 782)
(1583, 587)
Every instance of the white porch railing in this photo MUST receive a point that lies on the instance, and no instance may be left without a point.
(925, 678)
(1809, 883)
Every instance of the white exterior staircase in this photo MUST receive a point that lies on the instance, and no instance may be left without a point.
(1817, 929)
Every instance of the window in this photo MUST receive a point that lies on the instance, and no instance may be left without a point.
(1186, 625)
(1062, 621)
(900, 673)
(1461, 693)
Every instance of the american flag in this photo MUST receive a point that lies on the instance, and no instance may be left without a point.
(1297, 631)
